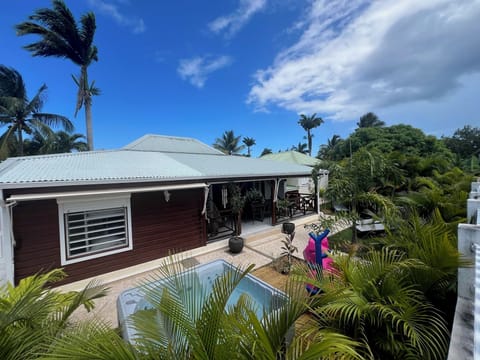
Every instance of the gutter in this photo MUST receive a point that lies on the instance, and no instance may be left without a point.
(69, 194)
(135, 181)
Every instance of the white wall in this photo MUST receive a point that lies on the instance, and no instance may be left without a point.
(468, 241)
(322, 181)
(304, 185)
(3, 270)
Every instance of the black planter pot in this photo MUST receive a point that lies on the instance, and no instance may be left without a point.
(288, 228)
(235, 243)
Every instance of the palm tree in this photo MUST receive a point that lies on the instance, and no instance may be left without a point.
(21, 114)
(33, 315)
(249, 142)
(62, 37)
(434, 242)
(228, 143)
(373, 301)
(326, 151)
(308, 123)
(65, 142)
(300, 147)
(354, 182)
(266, 151)
(54, 143)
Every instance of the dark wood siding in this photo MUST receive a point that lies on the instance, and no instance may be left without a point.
(157, 228)
(35, 226)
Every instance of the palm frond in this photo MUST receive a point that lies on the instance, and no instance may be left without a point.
(58, 30)
(87, 32)
(324, 345)
(23, 343)
(185, 315)
(33, 316)
(6, 140)
(374, 301)
(36, 103)
(51, 120)
(90, 340)
(11, 83)
(73, 300)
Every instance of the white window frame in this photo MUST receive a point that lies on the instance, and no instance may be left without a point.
(77, 204)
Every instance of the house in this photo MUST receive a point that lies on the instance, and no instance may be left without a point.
(301, 184)
(101, 211)
(305, 184)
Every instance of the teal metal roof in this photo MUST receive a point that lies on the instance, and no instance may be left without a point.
(129, 166)
(171, 144)
(93, 166)
(294, 157)
(238, 166)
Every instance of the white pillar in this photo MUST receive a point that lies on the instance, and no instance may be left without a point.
(6, 245)
(318, 194)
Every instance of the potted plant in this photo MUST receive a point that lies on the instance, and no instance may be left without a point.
(256, 202)
(282, 205)
(288, 228)
(236, 202)
(288, 248)
(254, 196)
(235, 244)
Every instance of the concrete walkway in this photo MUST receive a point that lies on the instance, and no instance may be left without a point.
(260, 249)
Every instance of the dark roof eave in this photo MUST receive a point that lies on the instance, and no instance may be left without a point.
(46, 184)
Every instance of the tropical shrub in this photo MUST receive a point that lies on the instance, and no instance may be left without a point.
(373, 301)
(33, 315)
(356, 184)
(434, 243)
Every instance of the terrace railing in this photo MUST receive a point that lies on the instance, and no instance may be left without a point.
(298, 204)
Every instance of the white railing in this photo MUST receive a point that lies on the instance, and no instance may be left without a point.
(476, 311)
(465, 337)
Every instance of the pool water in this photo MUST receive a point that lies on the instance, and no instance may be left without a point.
(265, 297)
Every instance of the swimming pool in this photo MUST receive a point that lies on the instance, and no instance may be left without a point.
(266, 298)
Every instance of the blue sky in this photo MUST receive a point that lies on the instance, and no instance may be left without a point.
(197, 68)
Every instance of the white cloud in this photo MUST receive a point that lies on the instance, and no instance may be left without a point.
(357, 56)
(136, 24)
(196, 69)
(234, 21)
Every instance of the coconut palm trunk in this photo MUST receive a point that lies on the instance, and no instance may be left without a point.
(20, 141)
(309, 136)
(84, 98)
(88, 121)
